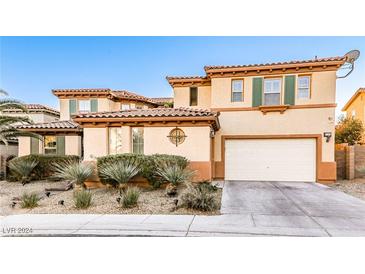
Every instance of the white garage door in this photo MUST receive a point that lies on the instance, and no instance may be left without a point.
(271, 160)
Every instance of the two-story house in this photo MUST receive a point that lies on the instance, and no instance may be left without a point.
(267, 122)
(355, 106)
(38, 114)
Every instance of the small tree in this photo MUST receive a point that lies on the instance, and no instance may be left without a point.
(349, 130)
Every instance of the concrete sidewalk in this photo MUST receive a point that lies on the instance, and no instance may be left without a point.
(171, 225)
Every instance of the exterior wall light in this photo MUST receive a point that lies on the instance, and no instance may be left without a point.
(328, 136)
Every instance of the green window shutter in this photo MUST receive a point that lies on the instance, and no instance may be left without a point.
(289, 95)
(72, 104)
(256, 92)
(34, 146)
(94, 105)
(60, 142)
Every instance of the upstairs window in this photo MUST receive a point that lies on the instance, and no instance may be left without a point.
(193, 96)
(84, 106)
(125, 107)
(237, 91)
(272, 92)
(303, 87)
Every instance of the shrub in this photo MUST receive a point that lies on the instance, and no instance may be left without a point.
(82, 199)
(45, 166)
(195, 197)
(206, 185)
(129, 198)
(29, 200)
(118, 172)
(22, 169)
(349, 130)
(147, 164)
(76, 172)
(174, 174)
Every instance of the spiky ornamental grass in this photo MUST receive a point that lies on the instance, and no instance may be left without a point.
(29, 200)
(82, 199)
(23, 169)
(175, 174)
(199, 198)
(74, 171)
(129, 198)
(119, 172)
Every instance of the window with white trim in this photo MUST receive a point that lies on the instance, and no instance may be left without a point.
(50, 145)
(84, 106)
(137, 140)
(272, 91)
(303, 85)
(237, 91)
(125, 107)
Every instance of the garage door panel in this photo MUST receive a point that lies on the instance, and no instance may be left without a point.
(271, 160)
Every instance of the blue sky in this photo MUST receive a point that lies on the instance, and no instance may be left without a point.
(31, 66)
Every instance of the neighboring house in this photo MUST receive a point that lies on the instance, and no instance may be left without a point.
(269, 122)
(355, 107)
(38, 114)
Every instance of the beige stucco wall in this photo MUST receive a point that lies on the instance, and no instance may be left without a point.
(73, 145)
(35, 117)
(182, 97)
(358, 106)
(95, 143)
(323, 91)
(23, 146)
(196, 146)
(64, 109)
(292, 121)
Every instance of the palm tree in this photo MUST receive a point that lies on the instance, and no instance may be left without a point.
(7, 129)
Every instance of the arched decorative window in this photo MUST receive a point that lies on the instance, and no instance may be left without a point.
(177, 136)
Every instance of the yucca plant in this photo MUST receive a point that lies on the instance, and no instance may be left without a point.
(23, 169)
(199, 198)
(175, 174)
(29, 200)
(129, 198)
(119, 173)
(74, 171)
(82, 198)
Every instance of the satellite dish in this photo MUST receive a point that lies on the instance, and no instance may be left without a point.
(349, 65)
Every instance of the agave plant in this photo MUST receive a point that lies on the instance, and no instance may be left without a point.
(119, 173)
(7, 128)
(175, 174)
(23, 169)
(76, 172)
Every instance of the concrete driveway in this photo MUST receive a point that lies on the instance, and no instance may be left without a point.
(305, 206)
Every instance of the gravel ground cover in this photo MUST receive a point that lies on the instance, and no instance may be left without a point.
(355, 187)
(104, 201)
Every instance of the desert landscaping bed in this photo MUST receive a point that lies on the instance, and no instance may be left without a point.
(355, 187)
(151, 201)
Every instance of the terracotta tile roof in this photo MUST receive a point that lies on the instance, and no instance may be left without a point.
(154, 112)
(35, 108)
(162, 100)
(124, 94)
(353, 97)
(51, 125)
(317, 60)
(152, 115)
(186, 77)
(73, 90)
